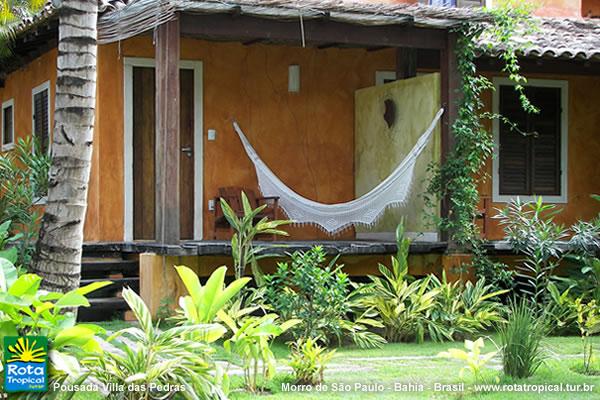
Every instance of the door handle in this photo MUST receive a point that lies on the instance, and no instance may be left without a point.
(188, 151)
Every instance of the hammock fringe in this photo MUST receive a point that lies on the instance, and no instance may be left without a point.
(366, 210)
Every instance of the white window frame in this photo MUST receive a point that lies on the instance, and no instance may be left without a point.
(564, 127)
(196, 66)
(5, 105)
(34, 91)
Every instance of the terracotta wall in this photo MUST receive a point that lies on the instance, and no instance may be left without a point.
(305, 137)
(557, 8)
(583, 149)
(590, 8)
(19, 84)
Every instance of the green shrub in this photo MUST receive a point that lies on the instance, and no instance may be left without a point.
(319, 296)
(29, 311)
(243, 251)
(588, 322)
(23, 183)
(464, 309)
(250, 344)
(474, 360)
(401, 304)
(521, 338)
(203, 303)
(162, 360)
(308, 360)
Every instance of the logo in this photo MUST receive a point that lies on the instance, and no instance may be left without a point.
(25, 364)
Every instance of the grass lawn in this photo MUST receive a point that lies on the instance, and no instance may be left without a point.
(377, 373)
(370, 374)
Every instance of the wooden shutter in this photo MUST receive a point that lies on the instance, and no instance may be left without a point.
(41, 126)
(7, 125)
(530, 159)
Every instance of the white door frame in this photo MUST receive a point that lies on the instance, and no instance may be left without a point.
(196, 66)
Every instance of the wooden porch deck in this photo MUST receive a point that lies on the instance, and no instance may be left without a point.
(223, 247)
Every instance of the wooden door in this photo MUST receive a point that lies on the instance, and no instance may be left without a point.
(144, 177)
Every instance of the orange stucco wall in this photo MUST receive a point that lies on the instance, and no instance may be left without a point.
(590, 8)
(19, 84)
(305, 137)
(583, 168)
(557, 8)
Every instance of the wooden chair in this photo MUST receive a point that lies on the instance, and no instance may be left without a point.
(233, 196)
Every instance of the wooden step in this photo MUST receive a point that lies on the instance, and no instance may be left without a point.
(98, 268)
(103, 309)
(114, 289)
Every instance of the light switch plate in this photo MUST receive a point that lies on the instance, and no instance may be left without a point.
(212, 134)
(211, 205)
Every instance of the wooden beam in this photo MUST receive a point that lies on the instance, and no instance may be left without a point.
(167, 132)
(316, 32)
(406, 63)
(450, 81)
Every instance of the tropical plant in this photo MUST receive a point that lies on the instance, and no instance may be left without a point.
(23, 183)
(402, 304)
(243, 251)
(521, 338)
(308, 361)
(474, 360)
(497, 274)
(463, 309)
(152, 363)
(27, 310)
(319, 296)
(531, 230)
(11, 13)
(58, 252)
(561, 309)
(203, 303)
(588, 322)
(251, 342)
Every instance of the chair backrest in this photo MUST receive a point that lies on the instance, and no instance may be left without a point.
(233, 196)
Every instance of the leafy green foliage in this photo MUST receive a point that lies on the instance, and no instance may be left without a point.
(561, 309)
(474, 360)
(588, 322)
(23, 183)
(243, 251)
(497, 274)
(531, 230)
(457, 179)
(162, 361)
(521, 338)
(308, 360)
(463, 309)
(25, 309)
(317, 295)
(204, 302)
(11, 12)
(402, 304)
(250, 343)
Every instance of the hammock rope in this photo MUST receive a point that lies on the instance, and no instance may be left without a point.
(365, 210)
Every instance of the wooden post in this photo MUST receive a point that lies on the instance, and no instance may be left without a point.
(406, 62)
(167, 132)
(450, 91)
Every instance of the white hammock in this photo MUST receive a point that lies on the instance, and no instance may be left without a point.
(333, 218)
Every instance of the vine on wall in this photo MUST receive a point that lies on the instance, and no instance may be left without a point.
(457, 179)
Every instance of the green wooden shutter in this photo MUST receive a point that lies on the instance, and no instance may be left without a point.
(41, 125)
(530, 157)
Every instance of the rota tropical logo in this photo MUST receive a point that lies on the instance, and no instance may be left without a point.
(25, 363)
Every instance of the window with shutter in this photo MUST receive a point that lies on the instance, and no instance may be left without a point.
(8, 125)
(532, 147)
(41, 115)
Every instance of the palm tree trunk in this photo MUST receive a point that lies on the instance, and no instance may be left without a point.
(58, 253)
